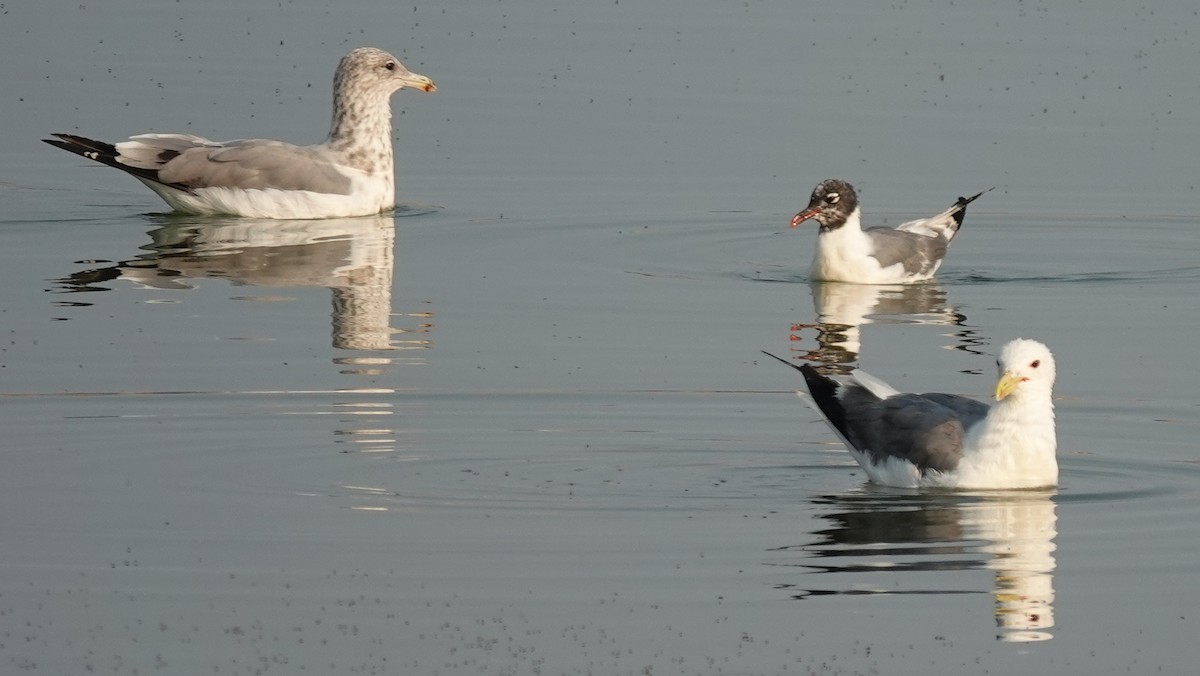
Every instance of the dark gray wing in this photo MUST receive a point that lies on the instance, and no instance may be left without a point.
(968, 410)
(928, 430)
(910, 427)
(917, 253)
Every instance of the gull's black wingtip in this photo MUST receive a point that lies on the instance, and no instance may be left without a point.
(964, 201)
(106, 153)
(783, 361)
(63, 141)
(960, 207)
(92, 149)
(824, 391)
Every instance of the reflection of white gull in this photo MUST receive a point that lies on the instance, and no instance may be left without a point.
(353, 256)
(1019, 530)
(843, 308)
(910, 252)
(350, 174)
(887, 534)
(948, 440)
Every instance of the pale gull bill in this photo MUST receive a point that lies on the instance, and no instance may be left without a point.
(946, 440)
(845, 252)
(349, 174)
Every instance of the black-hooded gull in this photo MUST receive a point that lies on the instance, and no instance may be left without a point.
(915, 440)
(350, 174)
(910, 252)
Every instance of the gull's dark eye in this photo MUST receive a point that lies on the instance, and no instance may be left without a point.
(1035, 363)
(390, 65)
(832, 198)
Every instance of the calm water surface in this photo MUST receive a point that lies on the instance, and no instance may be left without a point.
(523, 425)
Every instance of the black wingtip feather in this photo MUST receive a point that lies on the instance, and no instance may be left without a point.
(824, 391)
(106, 154)
(86, 147)
(98, 151)
(781, 360)
(962, 206)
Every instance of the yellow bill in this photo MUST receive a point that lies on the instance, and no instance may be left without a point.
(1007, 384)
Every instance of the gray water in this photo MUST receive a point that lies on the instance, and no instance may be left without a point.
(523, 425)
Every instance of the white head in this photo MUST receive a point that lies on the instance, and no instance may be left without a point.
(1026, 369)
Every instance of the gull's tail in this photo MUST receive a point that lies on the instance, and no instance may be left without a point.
(945, 224)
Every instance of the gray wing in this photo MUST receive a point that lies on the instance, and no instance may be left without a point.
(187, 163)
(927, 430)
(917, 253)
(250, 164)
(968, 410)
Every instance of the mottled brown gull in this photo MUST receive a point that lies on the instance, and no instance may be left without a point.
(910, 252)
(915, 440)
(349, 174)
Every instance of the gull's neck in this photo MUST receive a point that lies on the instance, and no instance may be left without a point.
(1015, 444)
(853, 222)
(362, 129)
(841, 252)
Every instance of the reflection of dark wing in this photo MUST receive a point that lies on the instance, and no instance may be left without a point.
(144, 270)
(181, 253)
(88, 280)
(902, 300)
(873, 523)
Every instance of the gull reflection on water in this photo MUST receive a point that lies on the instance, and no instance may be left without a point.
(843, 309)
(1019, 532)
(879, 540)
(353, 257)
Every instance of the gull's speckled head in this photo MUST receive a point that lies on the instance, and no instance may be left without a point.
(371, 69)
(832, 202)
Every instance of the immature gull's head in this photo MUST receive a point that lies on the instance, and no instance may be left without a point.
(832, 202)
(361, 131)
(369, 70)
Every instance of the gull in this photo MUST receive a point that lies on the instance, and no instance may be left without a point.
(946, 440)
(349, 174)
(910, 252)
